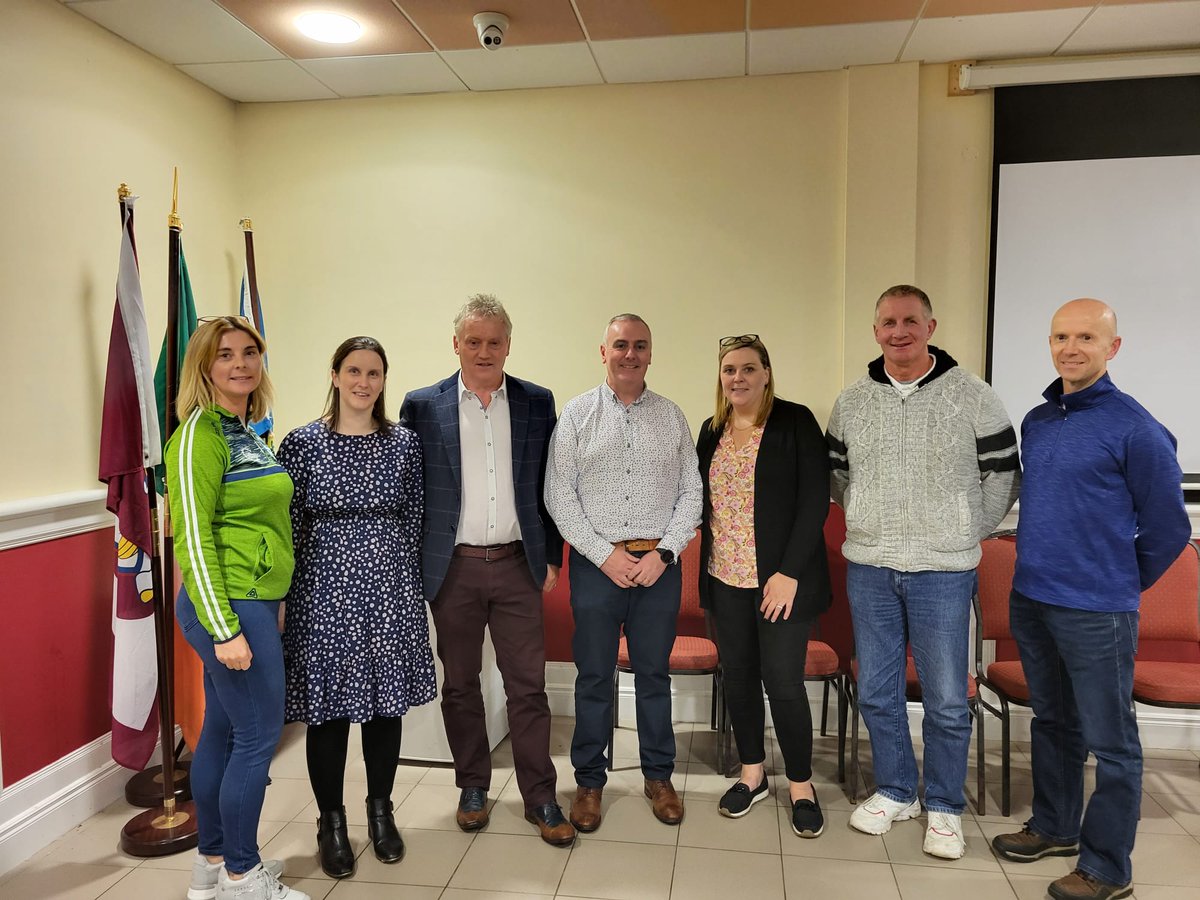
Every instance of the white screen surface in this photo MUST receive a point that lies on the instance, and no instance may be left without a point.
(1126, 231)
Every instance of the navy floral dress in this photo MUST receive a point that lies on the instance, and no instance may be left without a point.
(356, 640)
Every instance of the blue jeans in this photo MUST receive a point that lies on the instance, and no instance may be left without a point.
(243, 719)
(648, 614)
(931, 611)
(1079, 667)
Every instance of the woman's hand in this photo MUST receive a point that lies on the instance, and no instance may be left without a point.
(282, 615)
(234, 654)
(778, 595)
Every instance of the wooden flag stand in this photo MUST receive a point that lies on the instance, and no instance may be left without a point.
(170, 827)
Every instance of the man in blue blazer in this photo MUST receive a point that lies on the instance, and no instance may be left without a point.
(488, 552)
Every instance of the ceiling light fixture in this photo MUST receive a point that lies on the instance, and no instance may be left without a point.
(329, 28)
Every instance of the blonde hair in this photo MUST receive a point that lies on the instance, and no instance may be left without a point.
(482, 306)
(195, 381)
(724, 408)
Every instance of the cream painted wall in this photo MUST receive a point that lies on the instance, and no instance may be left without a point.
(81, 112)
(711, 208)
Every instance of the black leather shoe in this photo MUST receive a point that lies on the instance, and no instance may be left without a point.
(337, 856)
(472, 809)
(381, 825)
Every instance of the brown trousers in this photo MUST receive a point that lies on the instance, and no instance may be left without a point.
(501, 595)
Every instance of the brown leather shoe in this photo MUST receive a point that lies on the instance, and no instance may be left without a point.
(585, 809)
(472, 809)
(1079, 885)
(554, 827)
(668, 808)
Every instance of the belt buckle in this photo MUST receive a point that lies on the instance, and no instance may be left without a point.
(487, 553)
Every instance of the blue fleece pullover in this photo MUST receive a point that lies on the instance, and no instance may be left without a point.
(1102, 514)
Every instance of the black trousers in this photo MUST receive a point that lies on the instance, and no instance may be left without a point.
(325, 749)
(758, 653)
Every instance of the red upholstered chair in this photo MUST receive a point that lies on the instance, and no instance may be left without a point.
(694, 652)
(821, 664)
(1005, 678)
(1170, 611)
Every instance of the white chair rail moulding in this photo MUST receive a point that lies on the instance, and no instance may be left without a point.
(37, 519)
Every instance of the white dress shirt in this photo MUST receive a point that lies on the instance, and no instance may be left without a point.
(488, 512)
(619, 473)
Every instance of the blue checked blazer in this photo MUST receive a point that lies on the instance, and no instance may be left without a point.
(432, 412)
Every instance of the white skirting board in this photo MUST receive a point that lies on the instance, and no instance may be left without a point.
(44, 806)
(1175, 729)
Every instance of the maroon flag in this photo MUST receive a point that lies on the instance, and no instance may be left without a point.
(129, 445)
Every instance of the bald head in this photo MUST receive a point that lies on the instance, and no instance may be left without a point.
(1083, 338)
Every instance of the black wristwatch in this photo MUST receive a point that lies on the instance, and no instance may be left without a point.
(668, 557)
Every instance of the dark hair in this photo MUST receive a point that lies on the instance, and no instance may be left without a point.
(333, 401)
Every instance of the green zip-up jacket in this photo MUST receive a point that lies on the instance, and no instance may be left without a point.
(229, 507)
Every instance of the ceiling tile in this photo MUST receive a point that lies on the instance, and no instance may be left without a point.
(936, 9)
(447, 23)
(823, 47)
(542, 65)
(385, 30)
(997, 36)
(369, 76)
(254, 82)
(610, 20)
(790, 14)
(1145, 26)
(179, 31)
(672, 58)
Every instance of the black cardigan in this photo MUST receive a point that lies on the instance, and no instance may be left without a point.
(791, 501)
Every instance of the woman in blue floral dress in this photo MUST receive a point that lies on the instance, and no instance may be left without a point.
(356, 640)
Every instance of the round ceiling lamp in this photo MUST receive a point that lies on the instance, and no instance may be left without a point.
(329, 28)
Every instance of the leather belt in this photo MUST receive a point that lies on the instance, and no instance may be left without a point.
(489, 553)
(642, 545)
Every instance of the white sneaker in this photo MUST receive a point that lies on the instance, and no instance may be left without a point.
(944, 836)
(877, 814)
(260, 883)
(205, 876)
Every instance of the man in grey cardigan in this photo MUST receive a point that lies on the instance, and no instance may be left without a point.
(924, 462)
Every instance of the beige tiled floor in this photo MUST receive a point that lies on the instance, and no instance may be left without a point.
(632, 856)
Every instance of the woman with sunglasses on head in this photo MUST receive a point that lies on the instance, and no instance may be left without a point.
(357, 637)
(229, 502)
(763, 571)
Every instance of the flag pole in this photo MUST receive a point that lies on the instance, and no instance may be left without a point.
(252, 276)
(170, 828)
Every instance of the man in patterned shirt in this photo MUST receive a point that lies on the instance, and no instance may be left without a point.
(623, 485)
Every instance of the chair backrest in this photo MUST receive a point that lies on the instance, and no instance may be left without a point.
(691, 621)
(995, 584)
(1170, 610)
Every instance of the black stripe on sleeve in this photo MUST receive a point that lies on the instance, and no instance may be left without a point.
(1001, 440)
(837, 446)
(1008, 463)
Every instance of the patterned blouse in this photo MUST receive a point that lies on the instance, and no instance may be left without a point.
(731, 485)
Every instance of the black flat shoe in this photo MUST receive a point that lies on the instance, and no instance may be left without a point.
(807, 820)
(333, 844)
(381, 825)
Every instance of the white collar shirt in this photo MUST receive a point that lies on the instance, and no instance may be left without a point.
(488, 512)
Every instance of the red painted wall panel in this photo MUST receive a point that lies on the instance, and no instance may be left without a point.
(56, 668)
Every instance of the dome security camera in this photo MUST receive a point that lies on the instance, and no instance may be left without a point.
(491, 26)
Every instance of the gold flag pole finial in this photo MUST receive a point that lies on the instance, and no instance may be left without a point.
(247, 225)
(123, 191)
(173, 220)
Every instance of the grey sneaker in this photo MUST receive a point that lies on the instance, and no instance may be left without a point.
(257, 884)
(205, 875)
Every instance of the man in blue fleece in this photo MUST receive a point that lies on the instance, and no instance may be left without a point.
(1102, 517)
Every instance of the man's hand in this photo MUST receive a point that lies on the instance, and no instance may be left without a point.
(234, 654)
(778, 594)
(282, 615)
(619, 567)
(648, 569)
(551, 579)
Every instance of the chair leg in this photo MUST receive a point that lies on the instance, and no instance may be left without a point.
(980, 780)
(825, 709)
(1005, 763)
(841, 714)
(855, 764)
(616, 715)
(718, 718)
(712, 713)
